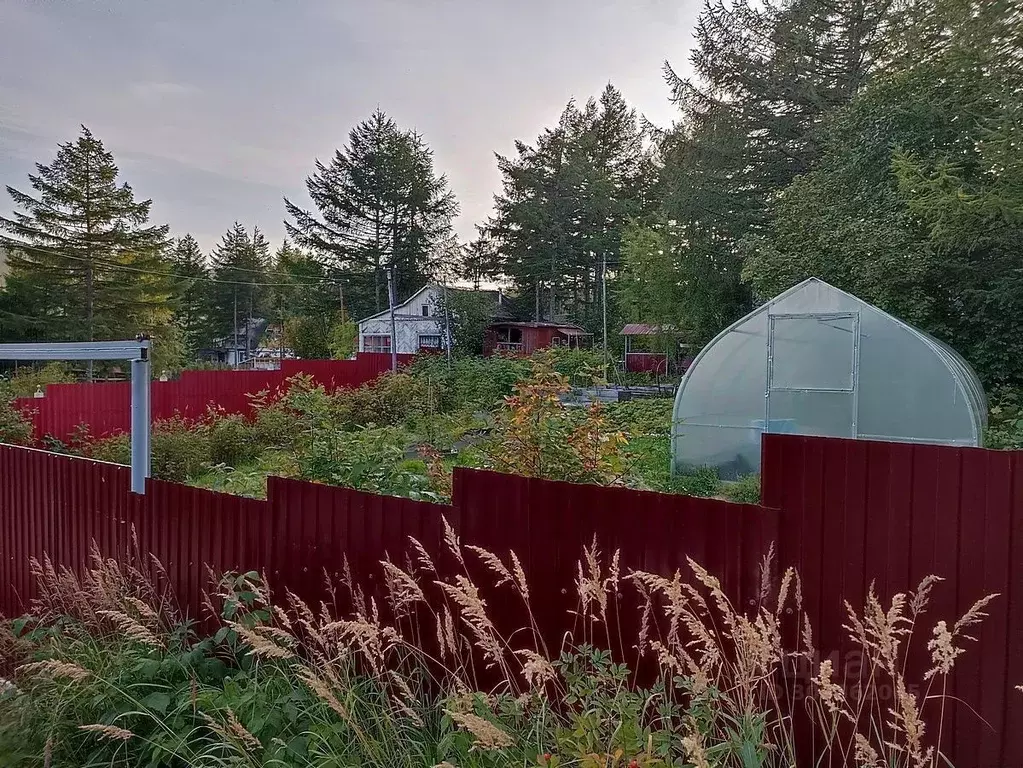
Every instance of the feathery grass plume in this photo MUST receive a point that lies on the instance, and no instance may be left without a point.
(55, 669)
(259, 643)
(325, 694)
(536, 669)
(451, 541)
(943, 651)
(830, 693)
(920, 597)
(864, 754)
(520, 577)
(109, 732)
(906, 714)
(240, 731)
(132, 629)
(694, 748)
(487, 735)
(473, 611)
(494, 565)
(423, 561)
(766, 573)
(783, 591)
(145, 611)
(975, 615)
(403, 591)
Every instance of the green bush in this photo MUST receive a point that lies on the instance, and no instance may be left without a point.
(232, 440)
(15, 429)
(181, 449)
(745, 490)
(370, 459)
(646, 417)
(26, 381)
(1005, 420)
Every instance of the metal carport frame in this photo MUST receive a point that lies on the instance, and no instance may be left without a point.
(137, 352)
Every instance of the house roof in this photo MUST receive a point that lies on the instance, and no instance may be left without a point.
(503, 309)
(566, 328)
(644, 329)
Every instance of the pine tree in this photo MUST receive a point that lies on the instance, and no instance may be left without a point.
(192, 312)
(379, 203)
(83, 246)
(239, 265)
(564, 204)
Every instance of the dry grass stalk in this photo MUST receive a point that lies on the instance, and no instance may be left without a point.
(487, 735)
(109, 732)
(494, 565)
(536, 669)
(403, 591)
(472, 609)
(423, 561)
(261, 645)
(132, 629)
(452, 543)
(55, 669)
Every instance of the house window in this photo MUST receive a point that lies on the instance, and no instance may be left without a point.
(380, 343)
(426, 310)
(429, 341)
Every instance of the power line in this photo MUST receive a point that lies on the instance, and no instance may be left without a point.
(125, 268)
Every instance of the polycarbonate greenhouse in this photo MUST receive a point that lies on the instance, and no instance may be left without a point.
(818, 361)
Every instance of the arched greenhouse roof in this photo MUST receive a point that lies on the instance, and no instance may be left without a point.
(816, 360)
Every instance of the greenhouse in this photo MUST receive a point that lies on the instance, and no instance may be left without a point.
(818, 361)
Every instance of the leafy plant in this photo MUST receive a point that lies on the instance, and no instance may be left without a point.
(537, 435)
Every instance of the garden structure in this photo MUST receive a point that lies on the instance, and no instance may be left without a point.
(816, 360)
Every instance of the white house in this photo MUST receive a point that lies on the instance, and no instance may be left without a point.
(417, 322)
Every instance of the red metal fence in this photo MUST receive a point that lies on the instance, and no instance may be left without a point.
(104, 407)
(856, 513)
(849, 514)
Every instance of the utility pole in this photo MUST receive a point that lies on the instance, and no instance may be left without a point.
(394, 335)
(603, 302)
(248, 327)
(234, 332)
(447, 324)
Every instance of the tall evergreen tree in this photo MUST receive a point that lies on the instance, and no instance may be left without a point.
(565, 201)
(379, 204)
(83, 246)
(239, 265)
(192, 310)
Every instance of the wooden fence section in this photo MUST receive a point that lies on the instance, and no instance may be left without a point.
(858, 513)
(105, 407)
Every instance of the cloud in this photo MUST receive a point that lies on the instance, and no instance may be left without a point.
(150, 91)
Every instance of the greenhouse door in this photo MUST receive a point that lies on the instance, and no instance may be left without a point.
(812, 374)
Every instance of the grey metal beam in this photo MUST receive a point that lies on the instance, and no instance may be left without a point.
(86, 350)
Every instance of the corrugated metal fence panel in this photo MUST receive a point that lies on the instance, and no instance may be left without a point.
(105, 407)
(548, 525)
(857, 513)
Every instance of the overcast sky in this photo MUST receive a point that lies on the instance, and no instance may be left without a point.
(216, 109)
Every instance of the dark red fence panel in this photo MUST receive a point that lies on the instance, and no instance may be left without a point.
(104, 408)
(856, 513)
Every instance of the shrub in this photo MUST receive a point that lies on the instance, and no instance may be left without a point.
(370, 459)
(232, 440)
(745, 490)
(647, 417)
(26, 381)
(387, 401)
(15, 429)
(181, 449)
(1005, 420)
(537, 435)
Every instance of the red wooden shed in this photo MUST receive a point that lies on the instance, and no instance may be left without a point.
(527, 337)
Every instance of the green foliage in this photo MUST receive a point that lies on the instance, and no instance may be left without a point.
(1005, 420)
(370, 459)
(26, 380)
(745, 490)
(248, 479)
(379, 203)
(537, 435)
(644, 417)
(343, 340)
(239, 263)
(67, 243)
(181, 449)
(308, 336)
(231, 439)
(697, 482)
(15, 429)
(192, 298)
(469, 314)
(565, 200)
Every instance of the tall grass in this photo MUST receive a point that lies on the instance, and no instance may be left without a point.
(420, 672)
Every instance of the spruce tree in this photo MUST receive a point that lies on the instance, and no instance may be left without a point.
(239, 265)
(192, 299)
(83, 246)
(379, 203)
